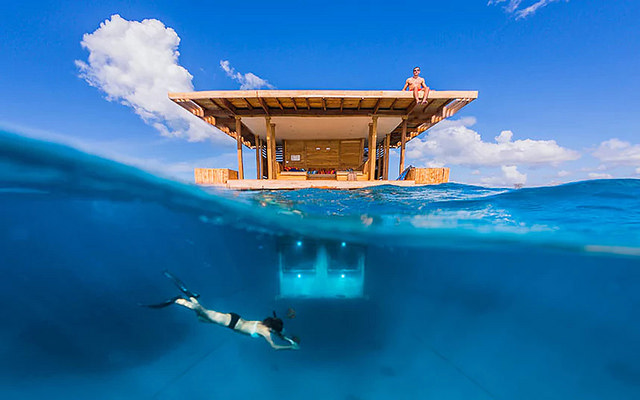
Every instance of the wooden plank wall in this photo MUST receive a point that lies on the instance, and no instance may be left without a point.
(351, 153)
(324, 154)
(213, 176)
(429, 176)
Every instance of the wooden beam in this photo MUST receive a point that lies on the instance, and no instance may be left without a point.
(248, 104)
(377, 106)
(341, 104)
(279, 104)
(235, 94)
(332, 112)
(295, 106)
(264, 105)
(258, 158)
(273, 151)
(385, 168)
(403, 142)
(368, 162)
(239, 147)
(269, 149)
(380, 160)
(360, 103)
(224, 104)
(413, 105)
(393, 103)
(372, 147)
(308, 104)
(324, 105)
(197, 109)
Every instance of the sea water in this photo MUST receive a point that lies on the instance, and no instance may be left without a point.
(469, 292)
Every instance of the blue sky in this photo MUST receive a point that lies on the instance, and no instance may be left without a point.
(558, 80)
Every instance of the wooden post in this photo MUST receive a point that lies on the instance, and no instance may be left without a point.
(269, 149)
(403, 142)
(368, 162)
(380, 162)
(387, 143)
(239, 141)
(372, 147)
(258, 157)
(273, 151)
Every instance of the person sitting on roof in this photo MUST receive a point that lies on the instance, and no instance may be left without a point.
(417, 84)
(265, 328)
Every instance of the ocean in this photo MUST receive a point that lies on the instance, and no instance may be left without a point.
(466, 292)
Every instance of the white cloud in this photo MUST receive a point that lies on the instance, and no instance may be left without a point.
(638, 171)
(618, 152)
(599, 175)
(510, 177)
(136, 63)
(247, 81)
(454, 143)
(563, 173)
(514, 7)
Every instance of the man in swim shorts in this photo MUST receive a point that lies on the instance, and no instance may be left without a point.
(417, 84)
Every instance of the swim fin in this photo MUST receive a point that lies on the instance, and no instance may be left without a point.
(164, 304)
(180, 285)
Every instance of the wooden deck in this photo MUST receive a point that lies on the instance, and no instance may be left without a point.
(265, 184)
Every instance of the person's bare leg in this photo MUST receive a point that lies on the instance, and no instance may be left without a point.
(416, 94)
(426, 96)
(204, 314)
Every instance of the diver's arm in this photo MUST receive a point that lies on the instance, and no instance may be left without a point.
(294, 345)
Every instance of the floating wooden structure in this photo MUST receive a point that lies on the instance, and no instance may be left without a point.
(318, 138)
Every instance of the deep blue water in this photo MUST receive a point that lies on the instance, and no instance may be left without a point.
(471, 292)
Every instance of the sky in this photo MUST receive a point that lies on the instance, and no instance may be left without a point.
(558, 80)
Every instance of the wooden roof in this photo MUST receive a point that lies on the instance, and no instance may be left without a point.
(220, 108)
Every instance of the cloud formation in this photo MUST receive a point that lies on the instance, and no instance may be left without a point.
(510, 177)
(599, 175)
(248, 81)
(514, 7)
(453, 142)
(136, 63)
(618, 152)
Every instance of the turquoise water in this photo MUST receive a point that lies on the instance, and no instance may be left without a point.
(470, 292)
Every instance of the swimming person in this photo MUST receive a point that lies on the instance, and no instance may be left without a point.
(265, 328)
(416, 84)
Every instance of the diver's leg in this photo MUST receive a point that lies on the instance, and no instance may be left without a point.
(205, 315)
(416, 94)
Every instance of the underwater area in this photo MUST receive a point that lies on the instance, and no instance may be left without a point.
(464, 292)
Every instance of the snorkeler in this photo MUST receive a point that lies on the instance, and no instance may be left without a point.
(265, 328)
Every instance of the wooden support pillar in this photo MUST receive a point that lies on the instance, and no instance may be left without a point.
(258, 158)
(385, 168)
(403, 143)
(372, 147)
(368, 162)
(380, 160)
(269, 149)
(239, 142)
(273, 151)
